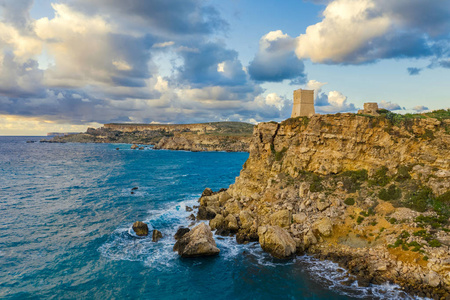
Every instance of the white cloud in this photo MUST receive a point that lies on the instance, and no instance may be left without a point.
(332, 102)
(347, 25)
(420, 108)
(389, 105)
(163, 45)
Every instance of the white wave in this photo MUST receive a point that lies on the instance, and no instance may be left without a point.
(336, 277)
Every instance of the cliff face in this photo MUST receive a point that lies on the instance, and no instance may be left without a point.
(372, 193)
(215, 136)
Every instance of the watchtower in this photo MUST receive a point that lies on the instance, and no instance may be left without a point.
(303, 103)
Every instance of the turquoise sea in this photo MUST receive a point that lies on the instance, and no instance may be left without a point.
(66, 211)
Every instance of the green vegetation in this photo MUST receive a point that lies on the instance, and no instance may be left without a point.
(392, 193)
(402, 174)
(352, 180)
(316, 185)
(380, 177)
(419, 199)
(434, 243)
(360, 219)
(349, 201)
(296, 121)
(279, 155)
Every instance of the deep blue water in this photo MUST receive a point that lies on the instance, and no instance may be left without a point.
(66, 211)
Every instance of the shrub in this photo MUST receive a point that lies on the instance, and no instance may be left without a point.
(402, 174)
(445, 197)
(380, 177)
(360, 219)
(404, 235)
(392, 193)
(349, 201)
(419, 199)
(434, 243)
(316, 185)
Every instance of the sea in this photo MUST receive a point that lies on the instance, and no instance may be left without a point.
(66, 212)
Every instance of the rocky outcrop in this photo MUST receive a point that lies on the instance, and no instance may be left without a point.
(217, 136)
(276, 241)
(156, 235)
(140, 228)
(197, 242)
(370, 192)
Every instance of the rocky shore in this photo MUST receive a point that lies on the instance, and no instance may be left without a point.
(369, 192)
(219, 136)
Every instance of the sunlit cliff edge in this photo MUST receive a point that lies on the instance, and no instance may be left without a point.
(370, 192)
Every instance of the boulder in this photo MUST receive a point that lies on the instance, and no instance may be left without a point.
(180, 232)
(207, 192)
(197, 242)
(432, 278)
(205, 213)
(231, 223)
(309, 239)
(276, 241)
(323, 227)
(299, 218)
(223, 198)
(156, 236)
(134, 146)
(245, 237)
(282, 218)
(323, 204)
(188, 208)
(246, 218)
(217, 223)
(140, 228)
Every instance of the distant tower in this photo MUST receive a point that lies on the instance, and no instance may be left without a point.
(303, 103)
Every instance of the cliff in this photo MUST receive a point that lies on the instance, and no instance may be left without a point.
(371, 193)
(215, 136)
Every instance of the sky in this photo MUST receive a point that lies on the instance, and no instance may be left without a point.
(71, 64)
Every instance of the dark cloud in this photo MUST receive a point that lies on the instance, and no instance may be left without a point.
(211, 65)
(276, 60)
(414, 71)
(161, 17)
(16, 13)
(420, 108)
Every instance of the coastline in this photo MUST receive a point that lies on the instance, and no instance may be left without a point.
(316, 185)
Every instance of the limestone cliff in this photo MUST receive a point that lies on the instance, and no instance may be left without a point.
(204, 142)
(372, 193)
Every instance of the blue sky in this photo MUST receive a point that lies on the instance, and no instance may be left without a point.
(69, 64)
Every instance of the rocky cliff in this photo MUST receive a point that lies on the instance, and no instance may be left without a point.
(372, 193)
(215, 136)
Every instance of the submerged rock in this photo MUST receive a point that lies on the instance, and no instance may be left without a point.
(197, 242)
(156, 236)
(140, 228)
(276, 241)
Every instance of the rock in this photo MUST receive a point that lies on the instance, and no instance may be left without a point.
(198, 242)
(217, 223)
(244, 237)
(276, 241)
(299, 218)
(141, 148)
(309, 239)
(207, 192)
(180, 232)
(304, 189)
(156, 236)
(188, 208)
(117, 148)
(140, 228)
(323, 227)
(135, 188)
(233, 207)
(246, 218)
(134, 146)
(282, 218)
(191, 217)
(432, 279)
(323, 204)
(231, 223)
(224, 197)
(205, 213)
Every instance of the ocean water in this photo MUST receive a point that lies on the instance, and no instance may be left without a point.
(65, 217)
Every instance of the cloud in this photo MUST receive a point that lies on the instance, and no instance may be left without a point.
(420, 108)
(379, 29)
(332, 102)
(163, 44)
(276, 60)
(389, 105)
(414, 71)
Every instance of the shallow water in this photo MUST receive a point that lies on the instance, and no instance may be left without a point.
(65, 217)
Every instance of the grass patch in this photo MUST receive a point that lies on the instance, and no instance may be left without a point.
(380, 177)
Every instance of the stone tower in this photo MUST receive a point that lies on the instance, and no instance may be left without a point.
(303, 103)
